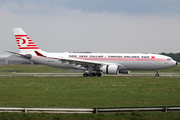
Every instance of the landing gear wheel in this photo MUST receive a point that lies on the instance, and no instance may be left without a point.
(93, 74)
(90, 74)
(99, 74)
(85, 75)
(157, 74)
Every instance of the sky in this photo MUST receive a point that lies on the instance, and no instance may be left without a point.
(108, 26)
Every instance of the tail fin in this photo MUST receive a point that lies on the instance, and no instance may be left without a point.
(24, 42)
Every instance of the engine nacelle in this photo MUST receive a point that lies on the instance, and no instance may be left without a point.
(124, 71)
(110, 69)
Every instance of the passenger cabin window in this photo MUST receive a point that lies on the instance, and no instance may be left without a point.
(168, 59)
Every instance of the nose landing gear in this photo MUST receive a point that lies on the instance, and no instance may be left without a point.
(157, 73)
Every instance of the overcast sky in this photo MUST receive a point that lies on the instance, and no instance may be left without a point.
(93, 25)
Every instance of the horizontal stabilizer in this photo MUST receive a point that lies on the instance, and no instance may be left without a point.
(26, 56)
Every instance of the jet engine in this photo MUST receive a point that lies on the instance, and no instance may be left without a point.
(124, 71)
(110, 69)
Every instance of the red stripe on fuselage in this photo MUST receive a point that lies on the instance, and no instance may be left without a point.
(155, 60)
(121, 59)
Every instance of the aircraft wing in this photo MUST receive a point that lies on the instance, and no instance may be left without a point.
(85, 62)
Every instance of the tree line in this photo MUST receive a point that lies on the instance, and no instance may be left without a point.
(174, 56)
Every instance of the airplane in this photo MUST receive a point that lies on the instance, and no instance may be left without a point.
(93, 64)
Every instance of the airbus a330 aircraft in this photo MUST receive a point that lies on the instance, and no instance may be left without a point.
(92, 63)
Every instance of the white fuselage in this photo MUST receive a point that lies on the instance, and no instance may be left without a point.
(127, 60)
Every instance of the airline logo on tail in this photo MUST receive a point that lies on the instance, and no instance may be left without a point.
(24, 42)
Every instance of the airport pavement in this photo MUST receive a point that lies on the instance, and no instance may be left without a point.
(145, 74)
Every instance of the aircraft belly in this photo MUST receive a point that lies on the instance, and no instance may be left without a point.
(145, 65)
(133, 65)
(164, 65)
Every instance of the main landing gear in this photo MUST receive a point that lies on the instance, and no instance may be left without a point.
(92, 74)
(157, 73)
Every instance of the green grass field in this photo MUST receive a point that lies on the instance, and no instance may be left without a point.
(89, 92)
(30, 69)
(86, 92)
(119, 116)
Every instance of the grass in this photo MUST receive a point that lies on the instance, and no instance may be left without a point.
(30, 69)
(119, 116)
(86, 93)
(89, 92)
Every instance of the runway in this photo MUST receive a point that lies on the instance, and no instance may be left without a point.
(145, 74)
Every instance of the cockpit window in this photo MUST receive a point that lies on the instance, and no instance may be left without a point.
(168, 59)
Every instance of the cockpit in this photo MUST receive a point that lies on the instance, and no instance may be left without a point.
(169, 59)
